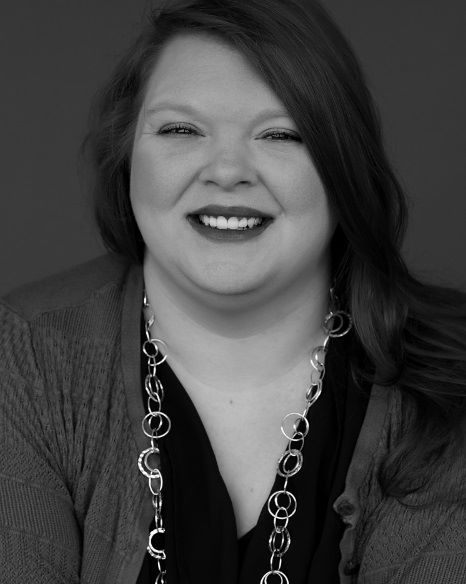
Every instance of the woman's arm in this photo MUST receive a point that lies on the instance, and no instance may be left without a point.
(39, 534)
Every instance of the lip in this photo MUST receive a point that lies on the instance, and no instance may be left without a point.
(227, 235)
(231, 211)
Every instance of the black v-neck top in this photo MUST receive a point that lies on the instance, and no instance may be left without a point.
(201, 536)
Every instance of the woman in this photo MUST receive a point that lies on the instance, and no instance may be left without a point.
(255, 285)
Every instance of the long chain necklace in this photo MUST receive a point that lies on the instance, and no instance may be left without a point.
(155, 425)
(282, 504)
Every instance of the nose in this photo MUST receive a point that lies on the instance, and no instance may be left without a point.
(228, 165)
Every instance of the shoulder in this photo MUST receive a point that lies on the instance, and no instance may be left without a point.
(61, 319)
(71, 288)
(81, 308)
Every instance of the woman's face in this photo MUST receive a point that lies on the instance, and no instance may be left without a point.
(215, 152)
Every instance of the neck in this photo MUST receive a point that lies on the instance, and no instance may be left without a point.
(233, 344)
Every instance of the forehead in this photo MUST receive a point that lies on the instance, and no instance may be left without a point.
(206, 72)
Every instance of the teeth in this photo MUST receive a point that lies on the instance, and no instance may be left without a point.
(222, 223)
(236, 223)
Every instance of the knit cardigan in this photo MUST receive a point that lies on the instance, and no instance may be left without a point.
(73, 505)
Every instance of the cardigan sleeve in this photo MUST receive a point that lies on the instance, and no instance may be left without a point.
(423, 545)
(421, 538)
(39, 534)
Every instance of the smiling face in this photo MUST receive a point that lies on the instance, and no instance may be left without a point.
(224, 192)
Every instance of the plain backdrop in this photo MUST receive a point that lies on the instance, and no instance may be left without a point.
(55, 54)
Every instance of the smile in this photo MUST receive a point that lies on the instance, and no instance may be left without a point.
(234, 229)
(221, 222)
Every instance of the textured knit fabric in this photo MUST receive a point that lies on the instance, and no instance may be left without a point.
(73, 506)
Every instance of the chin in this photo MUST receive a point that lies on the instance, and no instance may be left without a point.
(222, 281)
(228, 288)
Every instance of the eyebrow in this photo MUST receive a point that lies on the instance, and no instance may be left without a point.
(192, 111)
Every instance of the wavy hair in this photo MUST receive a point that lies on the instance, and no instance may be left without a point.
(413, 334)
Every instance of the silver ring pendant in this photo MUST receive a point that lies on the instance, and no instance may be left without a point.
(281, 575)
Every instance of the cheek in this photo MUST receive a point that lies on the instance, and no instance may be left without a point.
(153, 181)
(311, 220)
(304, 193)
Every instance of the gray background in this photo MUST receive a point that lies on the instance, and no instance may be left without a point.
(56, 53)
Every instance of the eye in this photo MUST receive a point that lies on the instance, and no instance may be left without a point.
(281, 136)
(178, 130)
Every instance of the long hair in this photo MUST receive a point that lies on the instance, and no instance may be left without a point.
(412, 334)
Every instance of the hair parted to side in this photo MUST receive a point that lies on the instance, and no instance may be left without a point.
(412, 334)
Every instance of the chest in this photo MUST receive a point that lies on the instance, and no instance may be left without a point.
(247, 442)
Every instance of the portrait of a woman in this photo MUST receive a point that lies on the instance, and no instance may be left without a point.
(250, 386)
